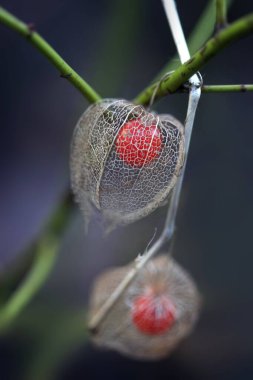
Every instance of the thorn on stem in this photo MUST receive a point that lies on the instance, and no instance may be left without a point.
(66, 76)
(190, 60)
(31, 29)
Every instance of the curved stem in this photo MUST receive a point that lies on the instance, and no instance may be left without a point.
(41, 267)
(66, 71)
(45, 254)
(233, 32)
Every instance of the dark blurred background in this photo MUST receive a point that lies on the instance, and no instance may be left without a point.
(119, 46)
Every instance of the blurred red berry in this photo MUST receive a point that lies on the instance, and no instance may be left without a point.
(138, 144)
(152, 314)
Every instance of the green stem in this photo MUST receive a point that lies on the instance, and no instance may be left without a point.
(40, 44)
(43, 262)
(214, 88)
(202, 31)
(45, 253)
(233, 32)
(227, 88)
(221, 14)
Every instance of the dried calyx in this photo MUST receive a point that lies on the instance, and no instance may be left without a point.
(154, 313)
(124, 160)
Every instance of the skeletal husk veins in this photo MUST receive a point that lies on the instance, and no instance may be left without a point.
(162, 278)
(124, 182)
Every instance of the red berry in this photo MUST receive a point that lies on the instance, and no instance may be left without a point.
(138, 144)
(153, 315)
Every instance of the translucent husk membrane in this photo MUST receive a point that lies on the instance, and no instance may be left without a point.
(101, 179)
(117, 330)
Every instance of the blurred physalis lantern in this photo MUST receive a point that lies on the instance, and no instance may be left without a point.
(124, 160)
(154, 313)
